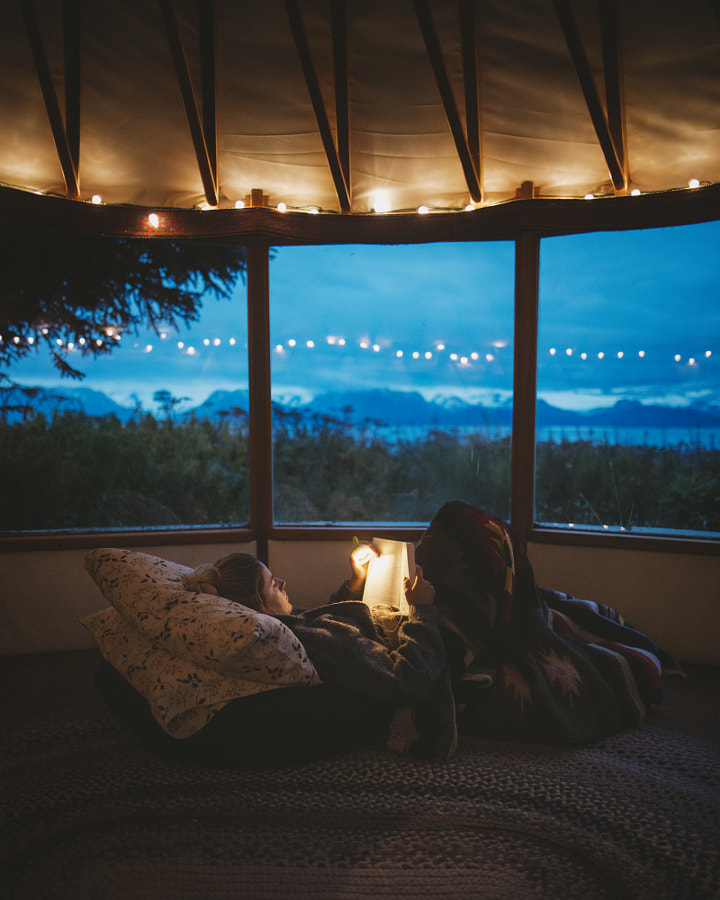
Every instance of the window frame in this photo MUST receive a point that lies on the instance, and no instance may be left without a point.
(525, 222)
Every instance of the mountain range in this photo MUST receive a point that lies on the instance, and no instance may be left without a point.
(386, 407)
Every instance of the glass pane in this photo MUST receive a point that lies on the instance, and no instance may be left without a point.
(628, 375)
(156, 433)
(391, 379)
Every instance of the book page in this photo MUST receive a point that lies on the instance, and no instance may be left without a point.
(384, 586)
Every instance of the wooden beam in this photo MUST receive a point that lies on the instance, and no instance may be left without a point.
(614, 79)
(57, 125)
(313, 86)
(206, 35)
(207, 172)
(260, 462)
(527, 276)
(434, 51)
(340, 66)
(592, 98)
(468, 44)
(71, 42)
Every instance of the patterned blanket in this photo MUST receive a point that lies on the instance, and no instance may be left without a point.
(525, 663)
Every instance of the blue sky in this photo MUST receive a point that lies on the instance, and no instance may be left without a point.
(616, 311)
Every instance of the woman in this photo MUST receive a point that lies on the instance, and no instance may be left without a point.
(396, 663)
(523, 662)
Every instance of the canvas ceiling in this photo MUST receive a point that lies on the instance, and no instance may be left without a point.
(123, 130)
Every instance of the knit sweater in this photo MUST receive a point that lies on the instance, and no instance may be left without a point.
(350, 649)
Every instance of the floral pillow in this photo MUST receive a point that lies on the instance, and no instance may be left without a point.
(182, 696)
(149, 594)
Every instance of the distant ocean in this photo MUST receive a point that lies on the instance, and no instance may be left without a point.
(707, 438)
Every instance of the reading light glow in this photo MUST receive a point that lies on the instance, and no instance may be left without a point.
(635, 192)
(239, 204)
(282, 207)
(693, 183)
(96, 198)
(423, 210)
(154, 220)
(589, 196)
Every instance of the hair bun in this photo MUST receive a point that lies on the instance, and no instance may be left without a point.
(204, 580)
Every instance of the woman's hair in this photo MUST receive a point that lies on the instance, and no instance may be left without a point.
(237, 577)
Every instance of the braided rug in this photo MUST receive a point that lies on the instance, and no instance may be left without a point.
(87, 813)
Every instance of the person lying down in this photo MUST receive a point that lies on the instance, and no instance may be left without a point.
(483, 650)
(523, 662)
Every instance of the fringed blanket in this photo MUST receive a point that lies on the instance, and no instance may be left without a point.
(525, 663)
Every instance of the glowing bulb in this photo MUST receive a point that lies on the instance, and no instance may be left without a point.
(589, 196)
(31, 340)
(310, 344)
(282, 207)
(399, 354)
(691, 361)
(364, 345)
(693, 183)
(416, 355)
(239, 204)
(154, 220)
(278, 348)
(148, 348)
(96, 198)
(380, 203)
(489, 357)
(341, 341)
(454, 357)
(216, 342)
(677, 357)
(423, 210)
(553, 351)
(583, 356)
(376, 348)
(469, 207)
(569, 352)
(440, 347)
(232, 342)
(601, 355)
(635, 192)
(475, 355)
(463, 361)
(641, 353)
(708, 354)
(428, 355)
(620, 354)
(292, 342)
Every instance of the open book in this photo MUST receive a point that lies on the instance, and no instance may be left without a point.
(384, 586)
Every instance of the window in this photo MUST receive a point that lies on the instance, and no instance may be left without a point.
(156, 436)
(628, 421)
(392, 372)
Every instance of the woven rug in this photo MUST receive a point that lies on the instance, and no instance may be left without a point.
(87, 813)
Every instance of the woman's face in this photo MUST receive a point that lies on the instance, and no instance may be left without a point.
(274, 595)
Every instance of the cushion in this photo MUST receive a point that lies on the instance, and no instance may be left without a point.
(182, 696)
(208, 631)
(272, 728)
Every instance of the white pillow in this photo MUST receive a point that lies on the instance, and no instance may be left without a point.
(182, 696)
(208, 631)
